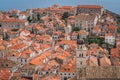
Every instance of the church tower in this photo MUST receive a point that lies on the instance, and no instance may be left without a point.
(81, 54)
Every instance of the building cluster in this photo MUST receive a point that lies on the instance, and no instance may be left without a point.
(54, 43)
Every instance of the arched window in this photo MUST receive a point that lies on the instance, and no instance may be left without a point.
(81, 63)
(0, 25)
(82, 54)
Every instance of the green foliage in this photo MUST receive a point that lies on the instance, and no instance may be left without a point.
(5, 36)
(118, 21)
(76, 29)
(65, 15)
(38, 17)
(118, 30)
(14, 29)
(32, 31)
(96, 40)
(78, 36)
(29, 19)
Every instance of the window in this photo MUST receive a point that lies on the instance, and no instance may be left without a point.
(6, 64)
(79, 55)
(81, 47)
(82, 54)
(0, 25)
(39, 73)
(46, 72)
(21, 60)
(69, 77)
(81, 62)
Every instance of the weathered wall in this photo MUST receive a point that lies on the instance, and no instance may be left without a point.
(99, 73)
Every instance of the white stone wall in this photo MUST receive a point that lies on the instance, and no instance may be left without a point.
(12, 24)
(67, 75)
(110, 39)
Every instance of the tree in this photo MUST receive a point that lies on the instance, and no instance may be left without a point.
(76, 29)
(78, 36)
(14, 29)
(118, 20)
(5, 36)
(118, 30)
(94, 40)
(38, 17)
(32, 31)
(65, 15)
(29, 19)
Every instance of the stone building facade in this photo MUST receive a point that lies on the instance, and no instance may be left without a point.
(13, 23)
(86, 21)
(90, 9)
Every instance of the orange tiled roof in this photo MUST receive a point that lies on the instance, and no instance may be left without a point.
(105, 61)
(93, 61)
(23, 79)
(12, 20)
(50, 65)
(84, 32)
(112, 27)
(4, 74)
(114, 52)
(2, 47)
(70, 67)
(16, 54)
(51, 77)
(71, 17)
(18, 46)
(39, 60)
(66, 7)
(109, 34)
(90, 6)
(38, 26)
(117, 63)
(96, 28)
(26, 53)
(68, 42)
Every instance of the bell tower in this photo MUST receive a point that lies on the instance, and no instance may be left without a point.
(81, 54)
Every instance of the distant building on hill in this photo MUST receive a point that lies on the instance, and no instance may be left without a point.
(90, 9)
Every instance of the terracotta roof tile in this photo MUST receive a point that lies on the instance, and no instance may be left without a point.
(90, 6)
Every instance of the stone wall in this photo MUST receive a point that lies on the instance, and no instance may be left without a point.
(99, 73)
